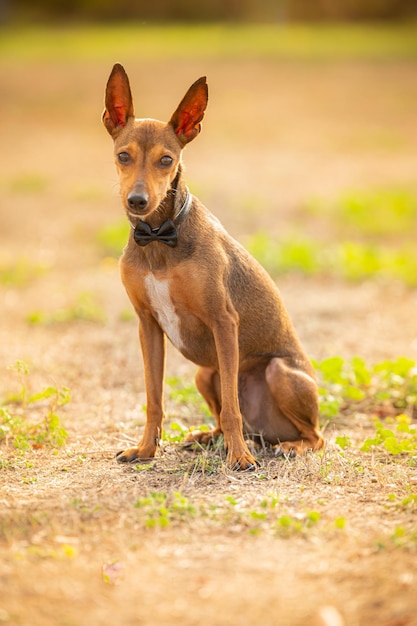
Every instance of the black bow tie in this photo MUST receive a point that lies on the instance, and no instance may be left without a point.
(166, 233)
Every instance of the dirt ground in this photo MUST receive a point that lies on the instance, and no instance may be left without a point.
(75, 549)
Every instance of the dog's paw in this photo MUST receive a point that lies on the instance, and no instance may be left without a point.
(249, 467)
(202, 437)
(285, 450)
(133, 454)
(245, 463)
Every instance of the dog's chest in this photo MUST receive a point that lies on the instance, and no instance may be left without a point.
(163, 308)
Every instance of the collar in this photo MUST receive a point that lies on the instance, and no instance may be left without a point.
(143, 234)
(184, 210)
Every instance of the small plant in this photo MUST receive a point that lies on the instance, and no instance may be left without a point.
(20, 273)
(187, 398)
(385, 388)
(112, 239)
(31, 420)
(340, 383)
(401, 438)
(357, 261)
(380, 212)
(295, 254)
(160, 510)
(343, 441)
(175, 432)
(287, 525)
(408, 503)
(401, 537)
(127, 315)
(21, 368)
(351, 260)
(340, 523)
(206, 462)
(268, 514)
(85, 308)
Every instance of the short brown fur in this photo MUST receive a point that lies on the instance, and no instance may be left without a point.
(207, 294)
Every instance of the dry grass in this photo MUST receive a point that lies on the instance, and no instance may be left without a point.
(83, 540)
(77, 545)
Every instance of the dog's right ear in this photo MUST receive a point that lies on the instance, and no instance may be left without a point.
(118, 102)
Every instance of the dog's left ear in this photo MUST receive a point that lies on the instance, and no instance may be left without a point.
(186, 119)
(119, 103)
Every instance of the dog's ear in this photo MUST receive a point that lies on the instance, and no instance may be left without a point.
(118, 103)
(186, 119)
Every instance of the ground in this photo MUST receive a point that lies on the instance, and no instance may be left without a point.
(183, 539)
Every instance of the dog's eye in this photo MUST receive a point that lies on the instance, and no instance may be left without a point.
(166, 161)
(124, 158)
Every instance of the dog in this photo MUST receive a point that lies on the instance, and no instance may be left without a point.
(190, 281)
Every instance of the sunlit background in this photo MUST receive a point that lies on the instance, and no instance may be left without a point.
(308, 155)
(309, 139)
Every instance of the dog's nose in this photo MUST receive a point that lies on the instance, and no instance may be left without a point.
(137, 201)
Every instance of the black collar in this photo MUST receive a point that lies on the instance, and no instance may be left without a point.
(143, 234)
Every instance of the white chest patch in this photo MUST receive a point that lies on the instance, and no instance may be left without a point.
(160, 299)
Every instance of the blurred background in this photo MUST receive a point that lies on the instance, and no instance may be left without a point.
(308, 156)
(210, 10)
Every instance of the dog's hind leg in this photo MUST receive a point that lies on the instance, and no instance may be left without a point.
(296, 396)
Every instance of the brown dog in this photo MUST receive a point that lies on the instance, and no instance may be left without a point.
(190, 281)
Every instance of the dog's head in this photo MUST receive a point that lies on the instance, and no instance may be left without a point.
(148, 152)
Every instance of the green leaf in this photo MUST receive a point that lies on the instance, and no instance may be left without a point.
(343, 441)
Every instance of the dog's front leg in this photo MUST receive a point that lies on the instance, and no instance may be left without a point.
(227, 346)
(152, 341)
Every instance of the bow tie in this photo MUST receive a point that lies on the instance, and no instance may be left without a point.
(166, 233)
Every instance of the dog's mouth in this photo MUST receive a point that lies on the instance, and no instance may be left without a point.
(135, 216)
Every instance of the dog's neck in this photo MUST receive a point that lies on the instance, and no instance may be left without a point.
(176, 204)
